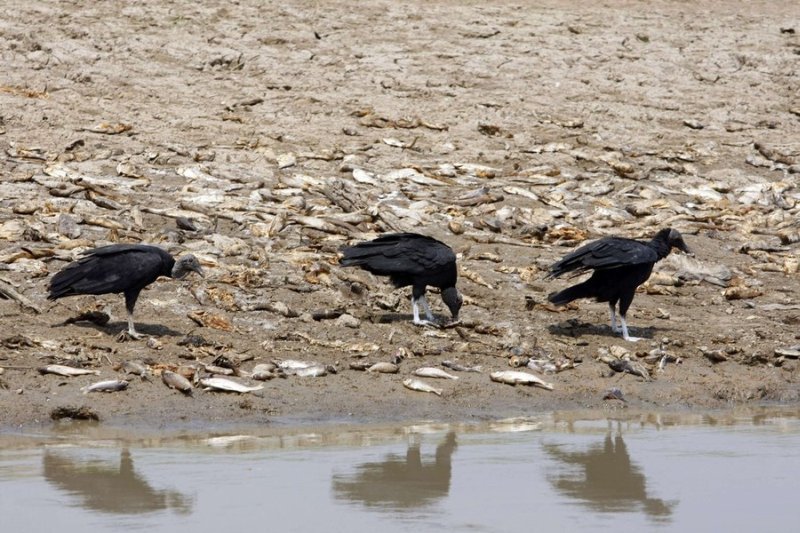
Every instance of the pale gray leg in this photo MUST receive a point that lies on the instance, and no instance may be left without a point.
(625, 331)
(131, 329)
(415, 309)
(613, 314)
(426, 308)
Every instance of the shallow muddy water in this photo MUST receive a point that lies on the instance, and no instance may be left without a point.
(644, 471)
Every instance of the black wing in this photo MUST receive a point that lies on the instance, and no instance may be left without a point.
(603, 254)
(111, 269)
(400, 254)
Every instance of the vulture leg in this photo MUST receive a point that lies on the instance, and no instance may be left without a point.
(613, 314)
(417, 297)
(130, 303)
(624, 304)
(625, 331)
(426, 308)
(131, 330)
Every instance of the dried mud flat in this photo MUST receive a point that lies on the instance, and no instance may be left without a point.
(263, 136)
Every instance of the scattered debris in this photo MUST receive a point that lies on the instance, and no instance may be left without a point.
(75, 413)
(614, 393)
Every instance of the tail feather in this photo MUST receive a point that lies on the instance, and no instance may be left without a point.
(62, 282)
(581, 290)
(371, 256)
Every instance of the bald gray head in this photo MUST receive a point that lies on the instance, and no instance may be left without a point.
(675, 240)
(184, 265)
(452, 300)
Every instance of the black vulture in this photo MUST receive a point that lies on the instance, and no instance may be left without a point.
(120, 268)
(620, 266)
(410, 259)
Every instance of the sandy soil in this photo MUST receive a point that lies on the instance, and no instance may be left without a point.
(511, 131)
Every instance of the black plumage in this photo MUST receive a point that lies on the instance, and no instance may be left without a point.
(619, 266)
(410, 259)
(120, 268)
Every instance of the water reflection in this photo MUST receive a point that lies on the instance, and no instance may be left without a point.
(400, 482)
(109, 488)
(69, 482)
(604, 478)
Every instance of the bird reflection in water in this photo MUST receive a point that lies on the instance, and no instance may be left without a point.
(400, 482)
(111, 489)
(605, 479)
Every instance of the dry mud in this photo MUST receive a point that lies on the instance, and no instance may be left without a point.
(511, 131)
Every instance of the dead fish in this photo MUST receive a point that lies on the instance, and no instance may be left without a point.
(421, 386)
(360, 365)
(515, 377)
(265, 367)
(291, 365)
(102, 222)
(791, 352)
(384, 368)
(542, 365)
(66, 371)
(263, 375)
(452, 365)
(227, 385)
(176, 381)
(431, 372)
(137, 368)
(266, 371)
(314, 371)
(111, 385)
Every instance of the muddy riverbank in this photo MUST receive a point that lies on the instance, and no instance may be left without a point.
(262, 137)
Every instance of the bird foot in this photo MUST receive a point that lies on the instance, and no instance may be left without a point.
(426, 323)
(631, 339)
(125, 336)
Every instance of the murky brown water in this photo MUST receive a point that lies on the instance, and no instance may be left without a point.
(735, 472)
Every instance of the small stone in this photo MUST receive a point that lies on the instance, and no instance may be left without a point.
(286, 160)
(348, 321)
